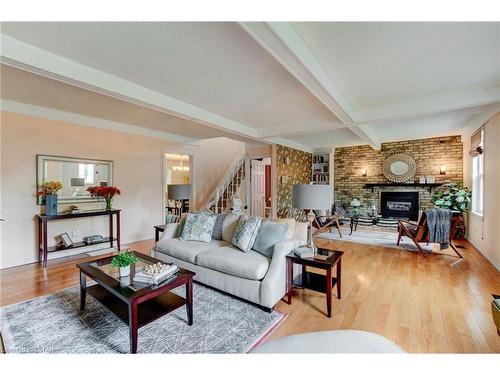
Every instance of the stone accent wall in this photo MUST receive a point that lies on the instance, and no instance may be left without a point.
(429, 154)
(298, 171)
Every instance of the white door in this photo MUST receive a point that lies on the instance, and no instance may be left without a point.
(258, 188)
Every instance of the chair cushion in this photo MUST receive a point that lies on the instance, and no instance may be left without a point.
(250, 265)
(270, 234)
(198, 227)
(320, 214)
(186, 250)
(229, 225)
(246, 232)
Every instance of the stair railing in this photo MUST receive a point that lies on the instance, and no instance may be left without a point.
(223, 186)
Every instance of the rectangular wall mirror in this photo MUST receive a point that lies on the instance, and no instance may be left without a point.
(75, 175)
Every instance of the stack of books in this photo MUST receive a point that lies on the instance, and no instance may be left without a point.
(146, 277)
(304, 252)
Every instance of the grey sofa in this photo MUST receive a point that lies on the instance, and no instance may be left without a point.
(250, 276)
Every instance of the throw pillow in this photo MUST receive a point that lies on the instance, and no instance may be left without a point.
(198, 227)
(219, 222)
(291, 227)
(270, 234)
(229, 225)
(181, 226)
(246, 232)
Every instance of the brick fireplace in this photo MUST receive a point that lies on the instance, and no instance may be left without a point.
(399, 204)
(429, 154)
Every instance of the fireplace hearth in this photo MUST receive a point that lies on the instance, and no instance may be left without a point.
(399, 204)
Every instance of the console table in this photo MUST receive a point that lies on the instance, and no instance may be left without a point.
(44, 249)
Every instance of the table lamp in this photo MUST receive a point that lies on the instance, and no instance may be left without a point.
(77, 182)
(179, 193)
(311, 197)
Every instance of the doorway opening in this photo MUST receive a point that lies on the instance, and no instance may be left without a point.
(260, 187)
(177, 186)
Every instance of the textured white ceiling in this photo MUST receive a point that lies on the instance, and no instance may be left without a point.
(213, 65)
(380, 63)
(220, 68)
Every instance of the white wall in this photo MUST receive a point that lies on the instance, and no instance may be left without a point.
(138, 163)
(483, 232)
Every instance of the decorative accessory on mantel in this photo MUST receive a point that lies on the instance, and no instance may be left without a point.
(311, 197)
(400, 168)
(106, 192)
(49, 195)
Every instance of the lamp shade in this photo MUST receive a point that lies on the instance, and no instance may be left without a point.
(179, 191)
(77, 181)
(311, 197)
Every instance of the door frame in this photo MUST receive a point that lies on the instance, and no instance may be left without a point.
(164, 178)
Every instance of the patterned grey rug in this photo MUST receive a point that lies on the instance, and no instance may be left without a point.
(54, 324)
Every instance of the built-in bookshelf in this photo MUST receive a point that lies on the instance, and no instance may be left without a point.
(320, 170)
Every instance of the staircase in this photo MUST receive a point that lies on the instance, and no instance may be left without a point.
(220, 200)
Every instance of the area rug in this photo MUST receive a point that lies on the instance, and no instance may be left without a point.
(54, 324)
(385, 239)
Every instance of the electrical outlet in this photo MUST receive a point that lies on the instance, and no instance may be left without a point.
(75, 233)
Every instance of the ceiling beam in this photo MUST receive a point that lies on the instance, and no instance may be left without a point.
(282, 42)
(291, 144)
(25, 56)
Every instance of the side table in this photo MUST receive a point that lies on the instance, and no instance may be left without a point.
(325, 260)
(158, 229)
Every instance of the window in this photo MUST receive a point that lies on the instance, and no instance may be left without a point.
(86, 171)
(477, 180)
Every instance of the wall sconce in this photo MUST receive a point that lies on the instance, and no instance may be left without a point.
(363, 172)
(442, 169)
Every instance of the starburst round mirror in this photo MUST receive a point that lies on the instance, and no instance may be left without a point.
(400, 168)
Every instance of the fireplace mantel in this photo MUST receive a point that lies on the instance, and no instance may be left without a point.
(392, 184)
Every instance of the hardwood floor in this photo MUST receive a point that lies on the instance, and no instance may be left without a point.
(422, 304)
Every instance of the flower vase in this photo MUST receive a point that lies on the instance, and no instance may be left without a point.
(50, 204)
(124, 271)
(108, 204)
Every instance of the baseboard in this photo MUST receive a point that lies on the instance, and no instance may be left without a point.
(486, 256)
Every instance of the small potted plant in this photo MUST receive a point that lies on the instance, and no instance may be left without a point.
(123, 262)
(48, 193)
(106, 192)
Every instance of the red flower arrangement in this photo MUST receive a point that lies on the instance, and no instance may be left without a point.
(106, 192)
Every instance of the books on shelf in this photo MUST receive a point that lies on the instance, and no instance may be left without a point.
(142, 277)
(304, 252)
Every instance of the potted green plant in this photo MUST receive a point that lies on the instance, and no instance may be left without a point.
(453, 196)
(123, 262)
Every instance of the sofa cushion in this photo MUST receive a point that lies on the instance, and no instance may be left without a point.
(229, 225)
(246, 232)
(198, 227)
(291, 227)
(186, 250)
(219, 222)
(229, 260)
(270, 234)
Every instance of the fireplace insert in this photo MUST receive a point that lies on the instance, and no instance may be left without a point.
(399, 204)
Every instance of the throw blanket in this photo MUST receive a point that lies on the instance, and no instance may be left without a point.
(439, 222)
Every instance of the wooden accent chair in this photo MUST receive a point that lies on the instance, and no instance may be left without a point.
(419, 232)
(325, 223)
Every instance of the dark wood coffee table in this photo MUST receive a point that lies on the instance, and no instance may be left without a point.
(136, 304)
(325, 259)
